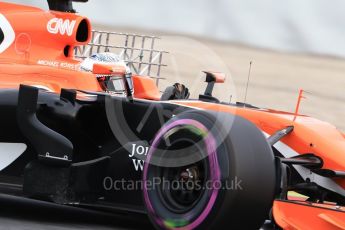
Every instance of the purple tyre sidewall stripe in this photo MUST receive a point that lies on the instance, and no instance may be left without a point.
(214, 170)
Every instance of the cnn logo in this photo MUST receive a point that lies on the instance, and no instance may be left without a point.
(58, 25)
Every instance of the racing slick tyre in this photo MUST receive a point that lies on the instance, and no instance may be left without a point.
(209, 171)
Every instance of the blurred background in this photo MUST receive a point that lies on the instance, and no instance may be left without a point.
(293, 45)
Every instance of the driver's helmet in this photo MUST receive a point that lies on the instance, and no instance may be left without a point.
(110, 83)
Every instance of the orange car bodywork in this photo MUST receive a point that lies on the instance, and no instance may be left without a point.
(309, 136)
(41, 54)
(294, 215)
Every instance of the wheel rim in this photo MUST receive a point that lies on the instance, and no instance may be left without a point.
(189, 220)
(187, 186)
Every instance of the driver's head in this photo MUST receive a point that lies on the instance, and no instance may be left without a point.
(109, 83)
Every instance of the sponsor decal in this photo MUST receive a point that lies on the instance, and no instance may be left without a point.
(62, 26)
(137, 154)
(57, 64)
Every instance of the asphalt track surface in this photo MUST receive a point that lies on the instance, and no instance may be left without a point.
(25, 214)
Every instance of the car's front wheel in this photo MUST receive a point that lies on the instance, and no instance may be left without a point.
(209, 171)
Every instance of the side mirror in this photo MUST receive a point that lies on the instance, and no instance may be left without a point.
(216, 77)
(211, 79)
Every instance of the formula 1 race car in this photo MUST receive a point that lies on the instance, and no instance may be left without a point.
(81, 126)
